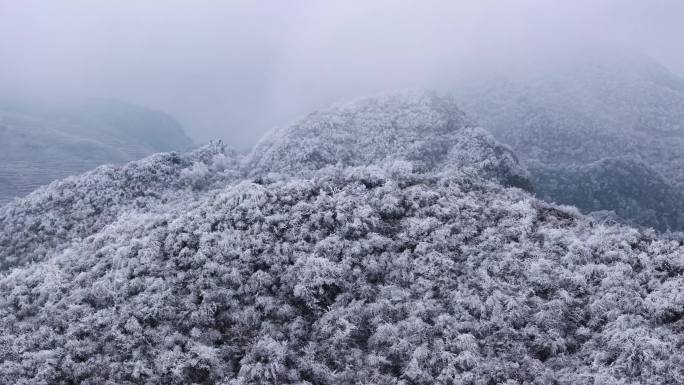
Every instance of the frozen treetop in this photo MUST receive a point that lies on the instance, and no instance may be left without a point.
(429, 131)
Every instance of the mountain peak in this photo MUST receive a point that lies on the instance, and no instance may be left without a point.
(420, 127)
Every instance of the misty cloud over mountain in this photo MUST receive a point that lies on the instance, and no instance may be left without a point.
(235, 70)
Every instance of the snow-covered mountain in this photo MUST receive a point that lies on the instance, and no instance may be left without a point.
(49, 218)
(42, 142)
(427, 130)
(379, 265)
(588, 111)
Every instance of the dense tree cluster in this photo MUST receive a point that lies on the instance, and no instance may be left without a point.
(358, 275)
(196, 269)
(576, 113)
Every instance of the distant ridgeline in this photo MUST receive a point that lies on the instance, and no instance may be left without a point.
(603, 133)
(40, 143)
(381, 241)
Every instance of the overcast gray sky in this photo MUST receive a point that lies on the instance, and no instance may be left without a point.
(234, 69)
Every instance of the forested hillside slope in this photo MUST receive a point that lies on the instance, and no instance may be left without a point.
(423, 128)
(345, 267)
(53, 216)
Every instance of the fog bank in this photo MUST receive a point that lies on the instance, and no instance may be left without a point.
(232, 70)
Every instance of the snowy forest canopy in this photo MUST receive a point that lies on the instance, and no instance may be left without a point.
(388, 240)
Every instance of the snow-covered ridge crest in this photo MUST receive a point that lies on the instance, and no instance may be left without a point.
(423, 131)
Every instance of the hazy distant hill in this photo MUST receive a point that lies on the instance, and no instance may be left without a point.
(583, 110)
(324, 259)
(43, 142)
